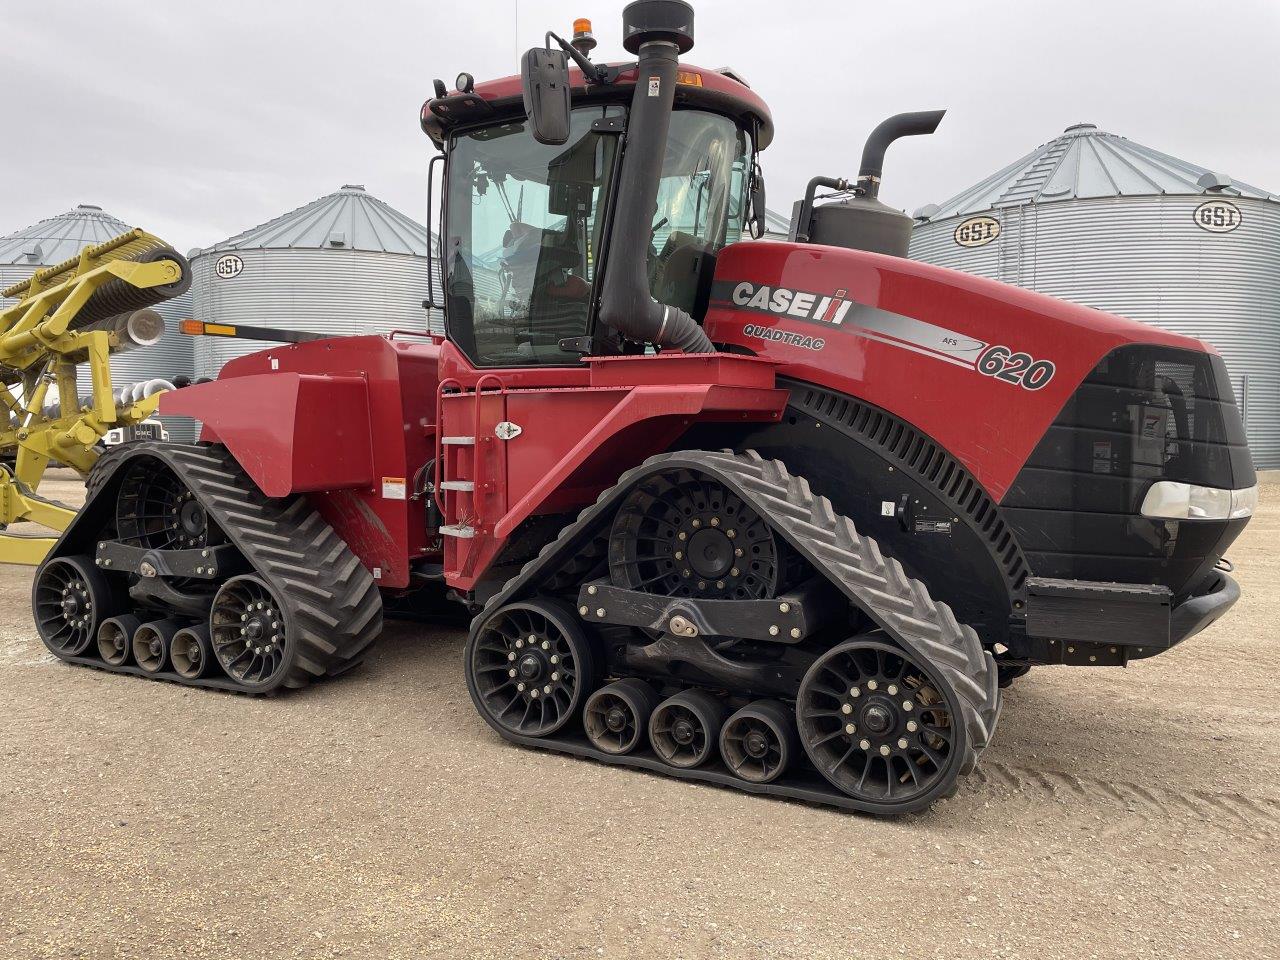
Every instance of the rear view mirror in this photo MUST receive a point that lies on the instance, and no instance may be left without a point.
(544, 79)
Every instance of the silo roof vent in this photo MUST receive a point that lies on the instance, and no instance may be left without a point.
(927, 212)
(1211, 181)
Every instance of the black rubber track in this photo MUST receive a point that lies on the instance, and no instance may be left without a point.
(332, 605)
(875, 584)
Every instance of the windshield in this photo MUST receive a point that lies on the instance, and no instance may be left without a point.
(701, 206)
(524, 226)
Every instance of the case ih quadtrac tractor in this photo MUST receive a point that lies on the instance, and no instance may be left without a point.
(779, 516)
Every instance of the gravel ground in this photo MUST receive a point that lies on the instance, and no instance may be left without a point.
(1120, 813)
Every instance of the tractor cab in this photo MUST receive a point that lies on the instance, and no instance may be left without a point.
(537, 220)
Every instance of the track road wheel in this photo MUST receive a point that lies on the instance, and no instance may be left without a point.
(70, 598)
(617, 716)
(529, 667)
(191, 652)
(115, 639)
(880, 726)
(684, 729)
(151, 643)
(759, 742)
(250, 634)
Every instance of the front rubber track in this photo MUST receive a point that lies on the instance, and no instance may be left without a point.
(875, 584)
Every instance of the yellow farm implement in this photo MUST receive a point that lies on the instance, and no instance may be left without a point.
(76, 312)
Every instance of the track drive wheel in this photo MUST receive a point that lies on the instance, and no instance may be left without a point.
(680, 534)
(71, 598)
(684, 729)
(617, 716)
(880, 726)
(250, 633)
(529, 667)
(759, 742)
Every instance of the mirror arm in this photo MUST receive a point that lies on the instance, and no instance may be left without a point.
(591, 72)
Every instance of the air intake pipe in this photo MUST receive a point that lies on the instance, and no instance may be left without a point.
(657, 31)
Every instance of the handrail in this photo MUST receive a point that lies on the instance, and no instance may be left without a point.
(414, 333)
(437, 493)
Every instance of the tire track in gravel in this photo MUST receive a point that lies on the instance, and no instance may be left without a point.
(1228, 810)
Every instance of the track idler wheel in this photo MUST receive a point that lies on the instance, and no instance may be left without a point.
(115, 639)
(617, 716)
(191, 652)
(250, 633)
(684, 729)
(71, 598)
(529, 667)
(881, 726)
(759, 742)
(151, 643)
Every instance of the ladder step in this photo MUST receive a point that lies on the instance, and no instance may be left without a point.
(458, 530)
(464, 485)
(459, 441)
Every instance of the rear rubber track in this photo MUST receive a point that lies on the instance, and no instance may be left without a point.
(899, 605)
(332, 605)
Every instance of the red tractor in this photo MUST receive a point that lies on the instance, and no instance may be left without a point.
(782, 516)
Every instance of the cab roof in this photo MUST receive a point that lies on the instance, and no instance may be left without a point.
(715, 90)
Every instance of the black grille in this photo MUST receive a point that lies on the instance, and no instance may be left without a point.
(1145, 413)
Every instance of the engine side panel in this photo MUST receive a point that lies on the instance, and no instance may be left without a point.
(981, 367)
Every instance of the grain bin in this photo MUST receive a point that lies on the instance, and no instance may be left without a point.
(63, 237)
(344, 264)
(1098, 219)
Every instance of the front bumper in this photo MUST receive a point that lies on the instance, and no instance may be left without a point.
(1195, 613)
(1101, 624)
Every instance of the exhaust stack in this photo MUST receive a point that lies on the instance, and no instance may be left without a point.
(860, 221)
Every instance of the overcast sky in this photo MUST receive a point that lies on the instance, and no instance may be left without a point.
(199, 119)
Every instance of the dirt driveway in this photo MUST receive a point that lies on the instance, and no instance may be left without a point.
(1120, 813)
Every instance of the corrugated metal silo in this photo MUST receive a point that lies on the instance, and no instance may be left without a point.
(1098, 219)
(345, 264)
(62, 237)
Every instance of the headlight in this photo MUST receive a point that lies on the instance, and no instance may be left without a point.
(1170, 500)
